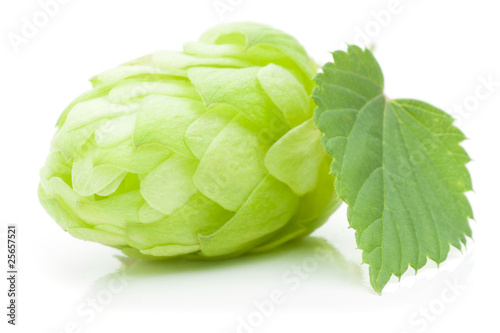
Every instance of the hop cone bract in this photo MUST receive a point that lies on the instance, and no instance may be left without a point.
(209, 153)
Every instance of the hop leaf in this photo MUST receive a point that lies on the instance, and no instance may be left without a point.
(398, 165)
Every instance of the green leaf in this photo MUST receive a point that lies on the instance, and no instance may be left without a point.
(398, 165)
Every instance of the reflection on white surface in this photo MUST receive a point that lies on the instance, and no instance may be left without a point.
(253, 293)
(87, 287)
(230, 286)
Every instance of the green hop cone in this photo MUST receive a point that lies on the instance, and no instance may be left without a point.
(208, 153)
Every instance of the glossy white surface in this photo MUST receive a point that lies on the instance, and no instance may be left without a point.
(435, 51)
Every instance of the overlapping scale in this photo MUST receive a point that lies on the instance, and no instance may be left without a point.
(208, 153)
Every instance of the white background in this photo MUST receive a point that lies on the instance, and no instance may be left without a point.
(437, 51)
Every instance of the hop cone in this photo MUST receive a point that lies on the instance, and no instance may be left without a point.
(208, 153)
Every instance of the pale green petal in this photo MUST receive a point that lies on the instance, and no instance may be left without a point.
(115, 130)
(202, 132)
(290, 231)
(286, 92)
(213, 50)
(112, 229)
(56, 166)
(240, 88)
(232, 166)
(267, 209)
(114, 75)
(126, 156)
(171, 250)
(113, 186)
(130, 183)
(164, 120)
(148, 214)
(69, 142)
(117, 210)
(95, 109)
(295, 158)
(99, 236)
(314, 210)
(59, 200)
(88, 95)
(87, 179)
(199, 215)
(170, 185)
(315, 202)
(132, 90)
(169, 59)
(263, 43)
